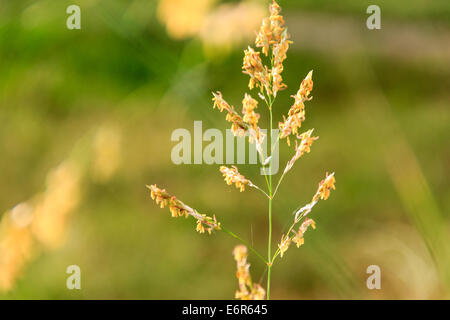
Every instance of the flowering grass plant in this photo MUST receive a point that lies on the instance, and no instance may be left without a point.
(273, 42)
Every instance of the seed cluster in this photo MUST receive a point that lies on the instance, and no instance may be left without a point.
(296, 114)
(232, 175)
(178, 209)
(247, 289)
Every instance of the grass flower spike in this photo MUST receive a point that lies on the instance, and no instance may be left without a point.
(259, 74)
(178, 209)
(251, 118)
(271, 29)
(248, 110)
(323, 192)
(325, 186)
(301, 148)
(276, 22)
(241, 125)
(232, 175)
(247, 289)
(284, 244)
(298, 238)
(238, 127)
(279, 55)
(296, 113)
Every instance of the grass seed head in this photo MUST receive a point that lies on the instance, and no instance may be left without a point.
(259, 73)
(232, 175)
(238, 126)
(247, 290)
(284, 244)
(325, 187)
(298, 238)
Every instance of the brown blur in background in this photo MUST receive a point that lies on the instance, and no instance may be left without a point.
(86, 118)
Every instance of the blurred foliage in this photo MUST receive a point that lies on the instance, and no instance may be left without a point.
(382, 115)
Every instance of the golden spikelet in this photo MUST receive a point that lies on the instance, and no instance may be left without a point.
(272, 35)
(301, 148)
(251, 118)
(248, 110)
(241, 125)
(259, 74)
(264, 37)
(279, 55)
(323, 192)
(232, 175)
(276, 22)
(178, 209)
(284, 244)
(298, 238)
(325, 186)
(296, 114)
(271, 29)
(238, 126)
(247, 290)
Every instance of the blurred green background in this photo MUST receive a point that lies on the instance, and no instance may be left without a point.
(143, 68)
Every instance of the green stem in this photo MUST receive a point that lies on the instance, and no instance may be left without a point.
(265, 176)
(272, 260)
(244, 242)
(278, 184)
(269, 244)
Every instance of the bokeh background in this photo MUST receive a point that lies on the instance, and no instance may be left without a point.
(85, 123)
